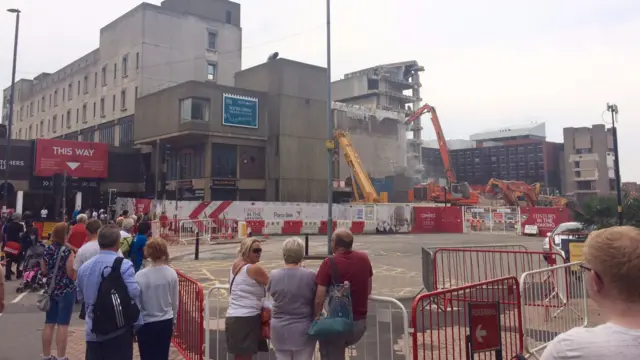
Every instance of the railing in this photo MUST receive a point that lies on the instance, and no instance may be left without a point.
(222, 230)
(482, 317)
(554, 300)
(189, 230)
(387, 336)
(454, 267)
(167, 230)
(188, 335)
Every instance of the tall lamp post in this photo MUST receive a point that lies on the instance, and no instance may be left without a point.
(330, 143)
(613, 109)
(7, 153)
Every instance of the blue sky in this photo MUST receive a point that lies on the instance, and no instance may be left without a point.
(489, 63)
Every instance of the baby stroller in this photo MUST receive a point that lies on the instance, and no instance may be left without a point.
(31, 278)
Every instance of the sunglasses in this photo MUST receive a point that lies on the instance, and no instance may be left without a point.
(257, 251)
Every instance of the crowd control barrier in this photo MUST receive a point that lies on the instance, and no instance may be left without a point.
(188, 335)
(191, 229)
(387, 336)
(482, 318)
(454, 267)
(554, 301)
(167, 230)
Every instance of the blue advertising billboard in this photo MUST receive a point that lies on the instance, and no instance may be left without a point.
(239, 111)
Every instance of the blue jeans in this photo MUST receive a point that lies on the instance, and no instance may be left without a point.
(60, 309)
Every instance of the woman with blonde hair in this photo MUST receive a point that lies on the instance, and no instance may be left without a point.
(293, 290)
(158, 302)
(247, 282)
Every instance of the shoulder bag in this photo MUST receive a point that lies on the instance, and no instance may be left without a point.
(336, 316)
(44, 301)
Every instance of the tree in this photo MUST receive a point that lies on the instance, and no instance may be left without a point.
(602, 211)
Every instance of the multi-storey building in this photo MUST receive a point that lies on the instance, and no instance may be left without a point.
(394, 87)
(145, 50)
(588, 161)
(515, 153)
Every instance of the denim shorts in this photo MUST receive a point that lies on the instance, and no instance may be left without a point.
(61, 309)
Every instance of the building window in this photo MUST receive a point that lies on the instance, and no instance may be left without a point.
(61, 122)
(55, 97)
(212, 69)
(78, 87)
(63, 94)
(113, 107)
(126, 133)
(42, 127)
(102, 106)
(85, 85)
(95, 80)
(70, 91)
(50, 101)
(94, 109)
(49, 125)
(228, 17)
(137, 60)
(68, 119)
(115, 70)
(224, 161)
(84, 113)
(108, 135)
(136, 93)
(77, 116)
(42, 104)
(212, 36)
(123, 99)
(125, 63)
(194, 109)
(103, 75)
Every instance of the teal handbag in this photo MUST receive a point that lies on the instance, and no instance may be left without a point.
(337, 313)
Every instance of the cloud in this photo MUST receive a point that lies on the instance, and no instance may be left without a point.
(488, 62)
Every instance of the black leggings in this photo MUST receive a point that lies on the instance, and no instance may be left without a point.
(12, 259)
(154, 340)
(119, 347)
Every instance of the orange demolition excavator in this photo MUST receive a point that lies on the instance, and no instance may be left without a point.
(510, 190)
(456, 193)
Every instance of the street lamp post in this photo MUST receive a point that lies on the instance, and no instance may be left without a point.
(7, 153)
(613, 109)
(330, 150)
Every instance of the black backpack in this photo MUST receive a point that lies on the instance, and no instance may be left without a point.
(114, 309)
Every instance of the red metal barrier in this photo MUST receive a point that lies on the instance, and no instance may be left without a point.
(444, 331)
(223, 229)
(188, 336)
(458, 266)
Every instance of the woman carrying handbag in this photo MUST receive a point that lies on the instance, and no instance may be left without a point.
(59, 297)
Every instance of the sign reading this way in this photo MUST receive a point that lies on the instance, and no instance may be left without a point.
(79, 159)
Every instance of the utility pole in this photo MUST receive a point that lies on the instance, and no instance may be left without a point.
(613, 109)
(7, 153)
(64, 195)
(330, 141)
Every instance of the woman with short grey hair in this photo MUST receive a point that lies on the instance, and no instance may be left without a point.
(293, 290)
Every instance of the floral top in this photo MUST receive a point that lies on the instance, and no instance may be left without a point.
(63, 282)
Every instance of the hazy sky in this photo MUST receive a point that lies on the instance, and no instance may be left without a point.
(489, 63)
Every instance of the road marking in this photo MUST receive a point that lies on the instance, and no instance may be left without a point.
(19, 297)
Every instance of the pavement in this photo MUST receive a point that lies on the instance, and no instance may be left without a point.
(396, 261)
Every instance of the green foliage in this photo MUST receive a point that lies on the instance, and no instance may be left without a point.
(602, 211)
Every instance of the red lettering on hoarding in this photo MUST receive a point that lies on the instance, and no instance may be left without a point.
(484, 326)
(78, 158)
(427, 220)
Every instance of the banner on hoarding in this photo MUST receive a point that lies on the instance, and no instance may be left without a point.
(427, 220)
(545, 218)
(142, 206)
(79, 159)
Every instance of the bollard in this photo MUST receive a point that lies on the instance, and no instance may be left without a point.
(196, 255)
(306, 245)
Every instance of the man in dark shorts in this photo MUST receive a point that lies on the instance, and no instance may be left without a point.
(13, 248)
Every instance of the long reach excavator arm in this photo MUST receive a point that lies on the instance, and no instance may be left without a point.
(361, 179)
(510, 191)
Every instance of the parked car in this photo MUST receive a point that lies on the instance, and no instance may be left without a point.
(568, 230)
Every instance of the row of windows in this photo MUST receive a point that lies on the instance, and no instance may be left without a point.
(80, 115)
(68, 91)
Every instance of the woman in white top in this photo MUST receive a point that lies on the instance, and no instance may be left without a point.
(158, 302)
(247, 283)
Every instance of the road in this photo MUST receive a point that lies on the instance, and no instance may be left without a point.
(397, 273)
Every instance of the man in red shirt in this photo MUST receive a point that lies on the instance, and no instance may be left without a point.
(78, 234)
(353, 267)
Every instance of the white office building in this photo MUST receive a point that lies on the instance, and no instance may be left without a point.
(145, 50)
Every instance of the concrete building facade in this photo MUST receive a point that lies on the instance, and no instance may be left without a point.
(145, 50)
(587, 161)
(390, 87)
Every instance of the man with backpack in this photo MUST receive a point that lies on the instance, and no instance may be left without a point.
(107, 285)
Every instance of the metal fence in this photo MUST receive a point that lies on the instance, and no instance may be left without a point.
(554, 300)
(387, 336)
(222, 230)
(492, 219)
(188, 335)
(189, 230)
(454, 267)
(167, 230)
(466, 325)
